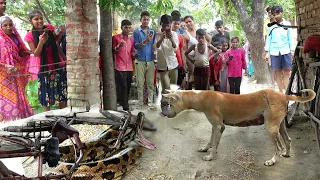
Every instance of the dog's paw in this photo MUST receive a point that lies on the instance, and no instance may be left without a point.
(285, 155)
(205, 149)
(207, 158)
(269, 163)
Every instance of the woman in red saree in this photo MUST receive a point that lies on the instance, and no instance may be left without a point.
(14, 58)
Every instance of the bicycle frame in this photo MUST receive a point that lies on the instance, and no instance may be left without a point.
(59, 131)
(312, 107)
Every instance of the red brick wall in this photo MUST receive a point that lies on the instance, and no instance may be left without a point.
(308, 14)
(82, 50)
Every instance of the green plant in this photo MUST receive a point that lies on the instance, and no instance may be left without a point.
(32, 93)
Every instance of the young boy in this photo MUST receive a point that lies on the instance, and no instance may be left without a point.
(123, 50)
(144, 38)
(222, 35)
(201, 60)
(279, 47)
(215, 67)
(166, 46)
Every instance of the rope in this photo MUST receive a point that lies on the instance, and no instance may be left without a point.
(29, 74)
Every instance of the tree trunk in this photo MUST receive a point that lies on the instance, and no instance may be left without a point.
(253, 27)
(108, 78)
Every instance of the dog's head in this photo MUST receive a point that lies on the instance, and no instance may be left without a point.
(175, 101)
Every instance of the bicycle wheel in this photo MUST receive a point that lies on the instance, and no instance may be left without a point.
(294, 86)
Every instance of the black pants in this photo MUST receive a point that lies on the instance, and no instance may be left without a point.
(201, 78)
(123, 85)
(234, 83)
(181, 75)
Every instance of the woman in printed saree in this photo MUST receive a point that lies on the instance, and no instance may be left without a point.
(52, 75)
(13, 73)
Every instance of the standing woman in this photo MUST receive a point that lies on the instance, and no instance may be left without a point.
(52, 75)
(14, 58)
(189, 36)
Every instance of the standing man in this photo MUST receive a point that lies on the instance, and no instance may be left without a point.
(176, 22)
(270, 19)
(279, 46)
(3, 6)
(144, 38)
(166, 45)
(123, 50)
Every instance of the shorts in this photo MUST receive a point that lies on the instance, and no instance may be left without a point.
(281, 62)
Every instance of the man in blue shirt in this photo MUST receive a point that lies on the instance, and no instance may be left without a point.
(279, 46)
(144, 38)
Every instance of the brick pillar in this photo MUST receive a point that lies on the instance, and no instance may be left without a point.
(82, 50)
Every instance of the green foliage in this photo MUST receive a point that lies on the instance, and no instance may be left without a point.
(32, 93)
(204, 14)
(110, 4)
(55, 10)
(287, 5)
(161, 7)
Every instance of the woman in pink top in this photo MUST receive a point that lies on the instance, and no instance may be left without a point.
(52, 75)
(236, 62)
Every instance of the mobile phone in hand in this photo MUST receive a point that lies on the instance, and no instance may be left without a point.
(151, 33)
(46, 30)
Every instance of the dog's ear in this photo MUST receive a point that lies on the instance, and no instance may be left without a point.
(173, 96)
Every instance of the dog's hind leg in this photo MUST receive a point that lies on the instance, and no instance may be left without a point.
(209, 145)
(273, 130)
(217, 132)
(286, 139)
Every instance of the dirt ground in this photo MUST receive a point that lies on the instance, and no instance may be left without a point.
(241, 153)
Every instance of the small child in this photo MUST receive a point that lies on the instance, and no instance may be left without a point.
(224, 83)
(236, 62)
(215, 66)
(201, 60)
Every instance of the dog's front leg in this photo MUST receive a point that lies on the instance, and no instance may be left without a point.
(209, 145)
(217, 132)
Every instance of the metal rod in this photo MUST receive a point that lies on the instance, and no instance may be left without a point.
(314, 64)
(314, 118)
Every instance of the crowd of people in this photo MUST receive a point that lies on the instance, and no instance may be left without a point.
(180, 54)
(14, 66)
(189, 57)
(177, 52)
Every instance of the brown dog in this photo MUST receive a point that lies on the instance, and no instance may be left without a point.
(267, 107)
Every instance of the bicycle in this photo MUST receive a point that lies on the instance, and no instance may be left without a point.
(24, 146)
(297, 80)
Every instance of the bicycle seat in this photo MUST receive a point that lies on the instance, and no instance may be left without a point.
(312, 44)
(62, 130)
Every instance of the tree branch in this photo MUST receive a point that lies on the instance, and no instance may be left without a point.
(247, 22)
(257, 7)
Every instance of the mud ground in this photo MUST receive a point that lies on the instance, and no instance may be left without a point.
(241, 153)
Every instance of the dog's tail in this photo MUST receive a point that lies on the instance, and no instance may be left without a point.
(302, 99)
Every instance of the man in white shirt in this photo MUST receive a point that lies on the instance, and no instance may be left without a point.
(166, 45)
